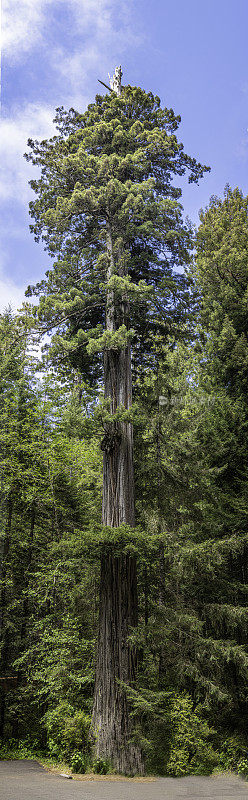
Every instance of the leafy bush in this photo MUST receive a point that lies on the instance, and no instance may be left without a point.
(100, 766)
(243, 768)
(23, 748)
(191, 752)
(233, 755)
(78, 762)
(174, 738)
(68, 731)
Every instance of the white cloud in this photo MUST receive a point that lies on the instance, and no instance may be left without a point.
(106, 32)
(32, 120)
(24, 22)
(22, 25)
(10, 294)
(104, 29)
(103, 32)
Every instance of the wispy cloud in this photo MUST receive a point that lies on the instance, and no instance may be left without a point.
(35, 121)
(32, 120)
(11, 294)
(99, 34)
(102, 31)
(24, 22)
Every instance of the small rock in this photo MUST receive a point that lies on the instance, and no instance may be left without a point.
(63, 775)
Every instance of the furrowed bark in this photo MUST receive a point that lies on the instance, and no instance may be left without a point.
(118, 608)
(118, 479)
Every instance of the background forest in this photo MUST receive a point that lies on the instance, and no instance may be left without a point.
(187, 291)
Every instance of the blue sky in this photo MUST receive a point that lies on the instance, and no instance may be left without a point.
(193, 54)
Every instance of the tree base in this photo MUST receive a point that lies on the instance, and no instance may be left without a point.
(114, 746)
(116, 665)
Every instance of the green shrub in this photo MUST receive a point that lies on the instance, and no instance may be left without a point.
(174, 738)
(78, 762)
(191, 751)
(22, 748)
(233, 754)
(100, 766)
(68, 731)
(243, 768)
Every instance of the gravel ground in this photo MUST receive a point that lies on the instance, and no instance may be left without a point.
(27, 780)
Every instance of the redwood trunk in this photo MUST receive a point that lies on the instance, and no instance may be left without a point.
(118, 478)
(116, 663)
(116, 659)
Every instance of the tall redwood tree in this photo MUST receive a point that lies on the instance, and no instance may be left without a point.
(109, 213)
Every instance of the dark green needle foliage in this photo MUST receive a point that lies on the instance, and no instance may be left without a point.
(222, 272)
(115, 165)
(194, 444)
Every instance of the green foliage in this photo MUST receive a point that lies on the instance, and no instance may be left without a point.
(172, 733)
(78, 762)
(119, 162)
(68, 734)
(232, 754)
(50, 483)
(100, 767)
(11, 749)
(107, 185)
(111, 341)
(222, 274)
(242, 768)
(191, 749)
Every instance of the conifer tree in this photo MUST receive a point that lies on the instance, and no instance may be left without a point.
(202, 621)
(18, 415)
(108, 209)
(222, 274)
(50, 485)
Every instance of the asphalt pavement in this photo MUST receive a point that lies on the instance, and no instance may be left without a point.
(27, 780)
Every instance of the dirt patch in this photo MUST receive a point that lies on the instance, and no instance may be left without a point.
(92, 776)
